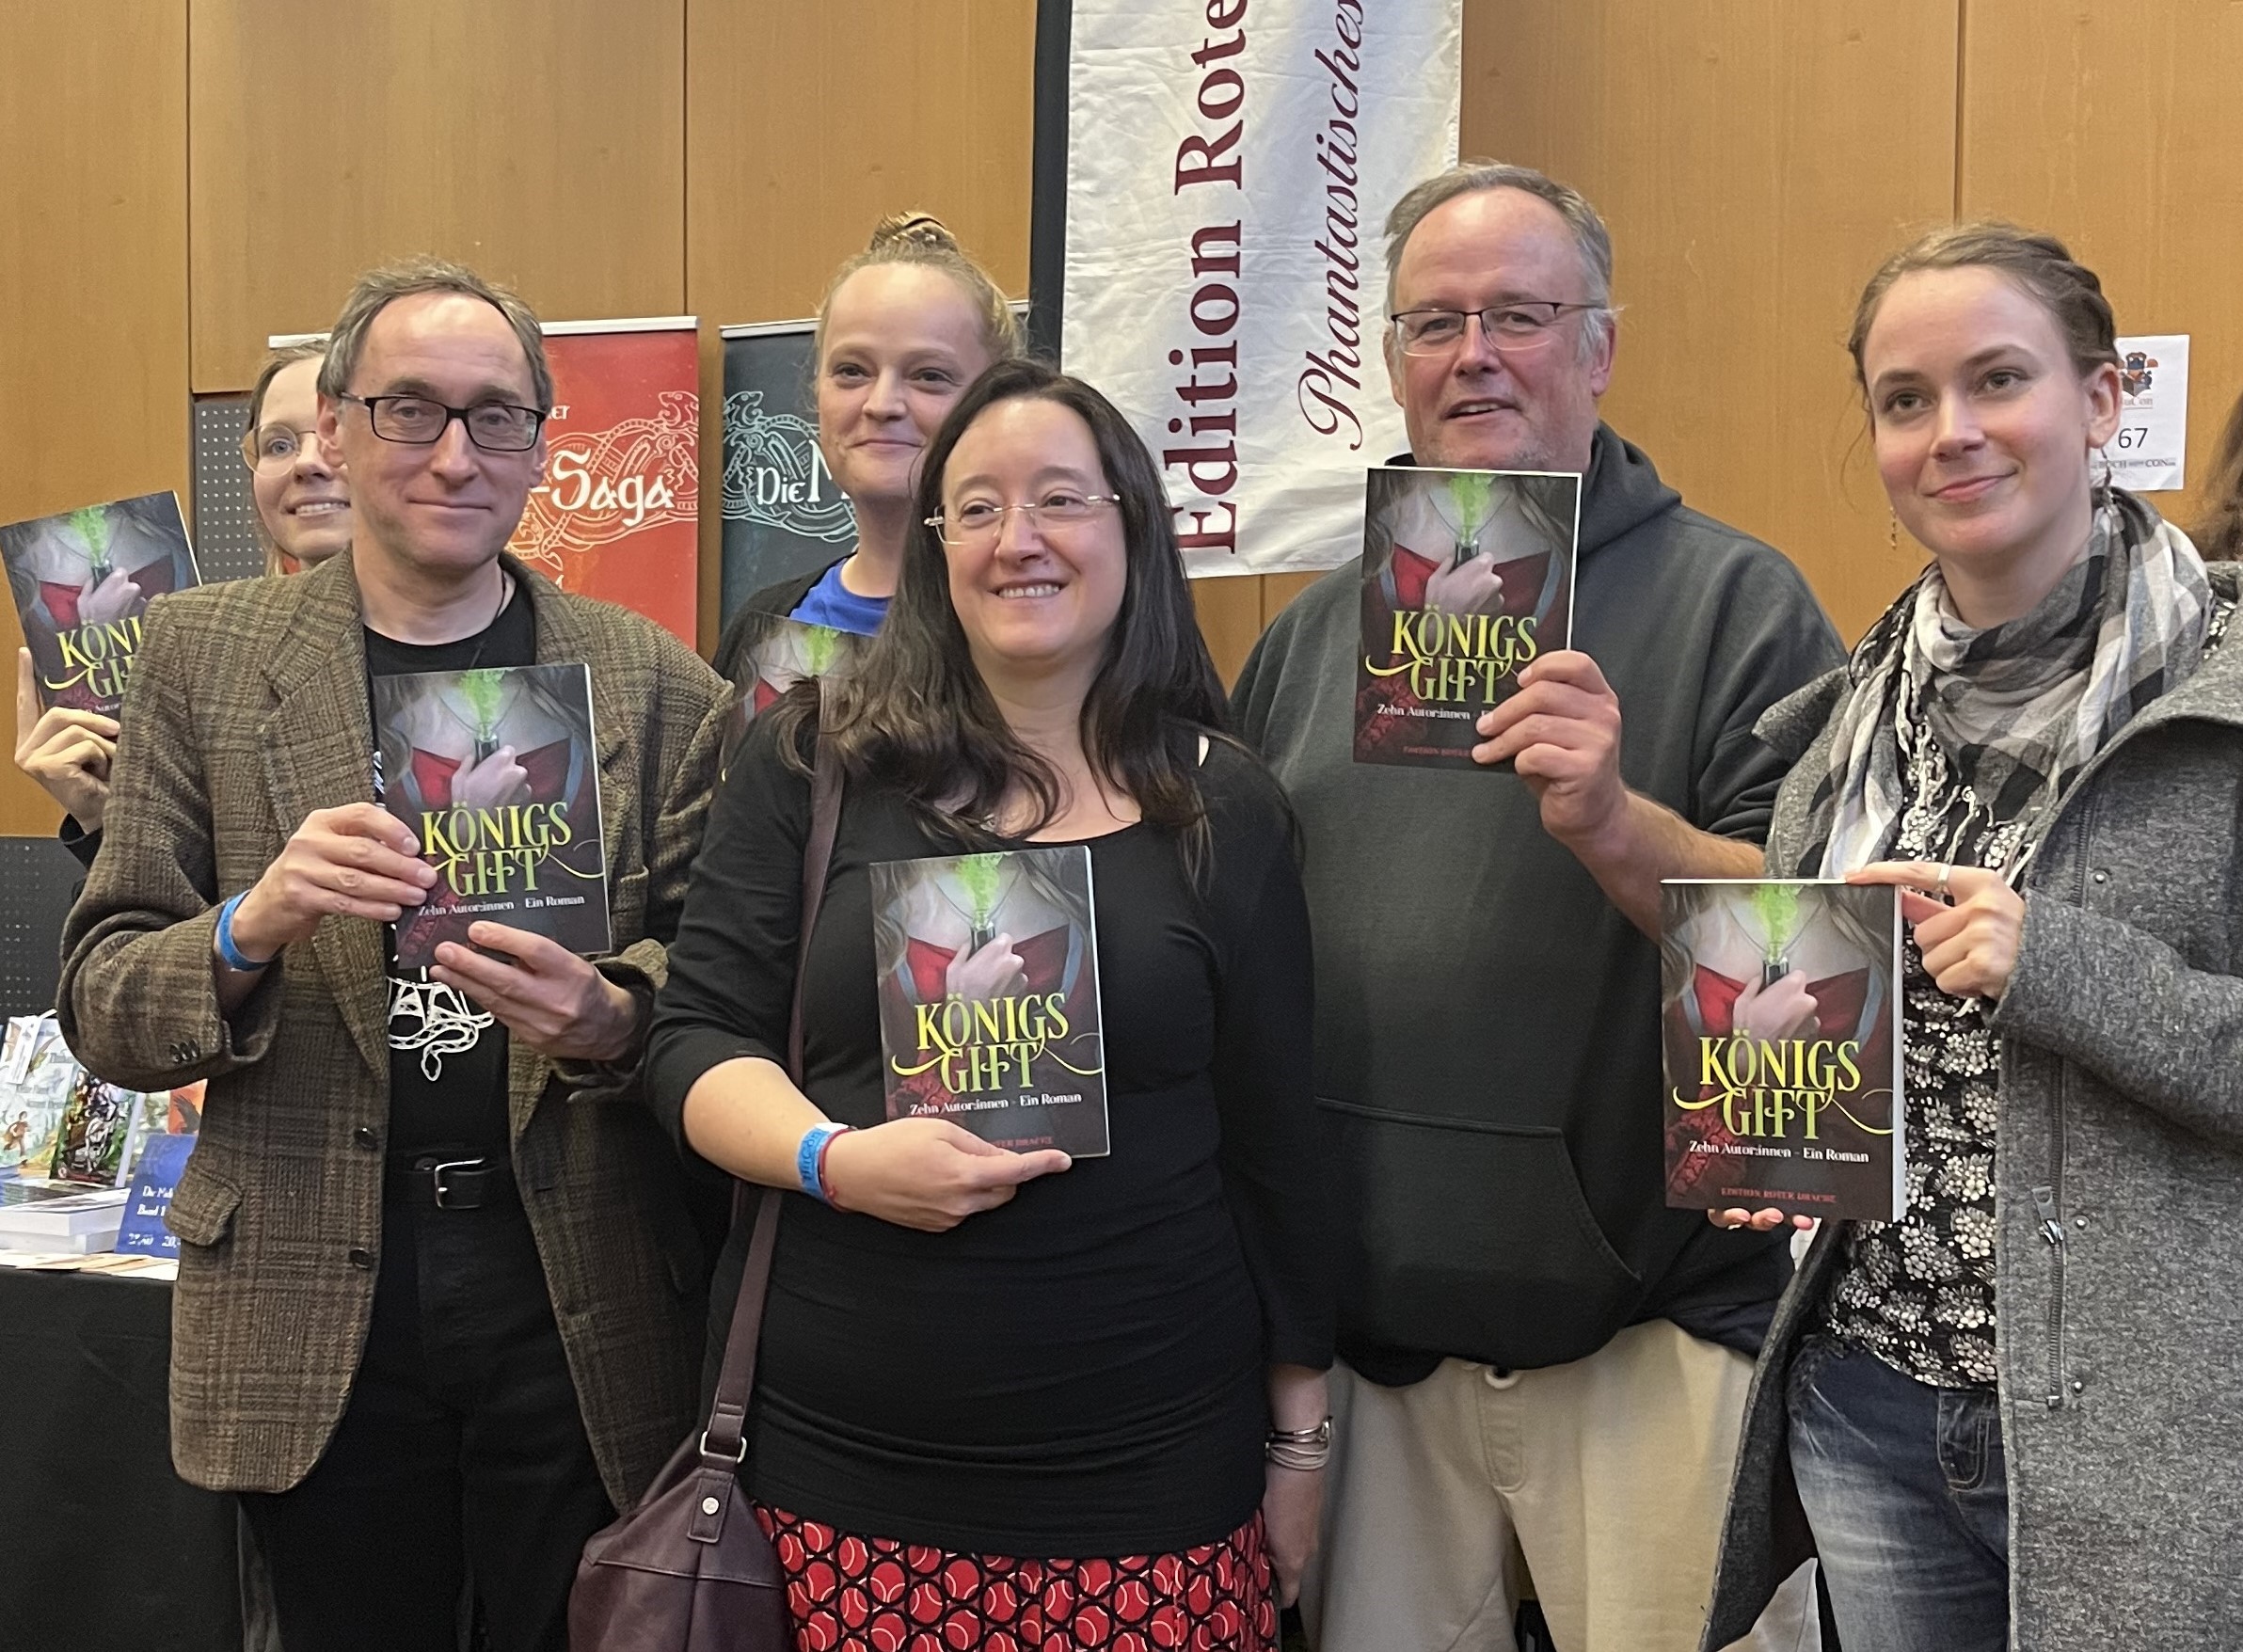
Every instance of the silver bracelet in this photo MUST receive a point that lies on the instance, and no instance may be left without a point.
(1305, 1449)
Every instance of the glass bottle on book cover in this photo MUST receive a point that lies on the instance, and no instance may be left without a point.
(1467, 579)
(1781, 1028)
(495, 773)
(988, 984)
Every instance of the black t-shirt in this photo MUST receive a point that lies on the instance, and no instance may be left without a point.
(1079, 1371)
(447, 1057)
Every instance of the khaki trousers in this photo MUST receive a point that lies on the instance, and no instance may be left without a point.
(1610, 1474)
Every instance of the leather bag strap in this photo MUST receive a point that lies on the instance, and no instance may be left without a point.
(725, 1441)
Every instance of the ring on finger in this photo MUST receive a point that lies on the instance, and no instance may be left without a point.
(1946, 870)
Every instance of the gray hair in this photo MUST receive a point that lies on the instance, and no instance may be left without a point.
(1590, 237)
(378, 287)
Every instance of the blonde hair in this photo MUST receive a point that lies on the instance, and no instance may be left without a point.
(922, 240)
(285, 356)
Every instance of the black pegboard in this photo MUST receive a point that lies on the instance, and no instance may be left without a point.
(226, 542)
(39, 880)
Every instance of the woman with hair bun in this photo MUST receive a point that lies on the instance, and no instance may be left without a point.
(905, 326)
(2007, 1414)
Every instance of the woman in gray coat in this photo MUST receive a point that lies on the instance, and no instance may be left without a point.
(2010, 1417)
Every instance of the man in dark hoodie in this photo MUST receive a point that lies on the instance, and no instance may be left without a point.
(1538, 1353)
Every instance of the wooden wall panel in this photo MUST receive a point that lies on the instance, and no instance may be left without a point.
(93, 275)
(541, 141)
(807, 123)
(1230, 618)
(1755, 157)
(1755, 160)
(2116, 124)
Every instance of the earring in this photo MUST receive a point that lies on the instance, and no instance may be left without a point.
(2099, 486)
(1892, 531)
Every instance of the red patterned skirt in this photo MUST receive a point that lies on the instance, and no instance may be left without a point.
(852, 1594)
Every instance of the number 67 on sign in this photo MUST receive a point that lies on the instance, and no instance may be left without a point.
(2148, 453)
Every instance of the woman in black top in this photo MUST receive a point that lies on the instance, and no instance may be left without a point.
(1003, 1395)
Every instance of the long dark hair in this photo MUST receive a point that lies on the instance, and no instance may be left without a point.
(914, 716)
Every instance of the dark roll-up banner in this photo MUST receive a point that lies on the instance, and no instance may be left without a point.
(783, 514)
(1219, 274)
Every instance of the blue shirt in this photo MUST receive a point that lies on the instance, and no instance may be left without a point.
(831, 603)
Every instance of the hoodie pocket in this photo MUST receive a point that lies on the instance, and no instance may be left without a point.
(1471, 1239)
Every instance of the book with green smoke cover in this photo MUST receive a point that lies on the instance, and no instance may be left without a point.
(780, 653)
(496, 773)
(1467, 579)
(1781, 1024)
(988, 981)
(83, 579)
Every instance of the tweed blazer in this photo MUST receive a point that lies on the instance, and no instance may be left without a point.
(247, 710)
(2118, 1196)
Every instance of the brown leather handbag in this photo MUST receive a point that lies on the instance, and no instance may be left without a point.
(688, 1569)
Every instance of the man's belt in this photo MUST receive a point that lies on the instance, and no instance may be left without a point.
(450, 1182)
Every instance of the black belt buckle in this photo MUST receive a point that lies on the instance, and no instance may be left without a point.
(465, 1194)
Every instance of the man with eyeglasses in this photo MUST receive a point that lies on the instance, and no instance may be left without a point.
(1538, 1355)
(441, 1295)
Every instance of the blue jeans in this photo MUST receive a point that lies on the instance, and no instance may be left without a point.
(1903, 1486)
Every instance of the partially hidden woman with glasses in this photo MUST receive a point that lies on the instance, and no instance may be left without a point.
(1007, 1399)
(2010, 1414)
(303, 516)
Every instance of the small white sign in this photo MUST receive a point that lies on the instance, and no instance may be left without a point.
(2148, 453)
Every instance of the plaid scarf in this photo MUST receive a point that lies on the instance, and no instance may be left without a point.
(2020, 709)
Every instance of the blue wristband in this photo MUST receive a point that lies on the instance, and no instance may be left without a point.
(234, 958)
(809, 1160)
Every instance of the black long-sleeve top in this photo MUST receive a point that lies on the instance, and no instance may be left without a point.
(1080, 1372)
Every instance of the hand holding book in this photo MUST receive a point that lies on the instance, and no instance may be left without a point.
(552, 1000)
(929, 1173)
(65, 752)
(358, 861)
(1970, 939)
(1560, 731)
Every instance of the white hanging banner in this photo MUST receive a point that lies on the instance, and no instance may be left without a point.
(2148, 454)
(1229, 166)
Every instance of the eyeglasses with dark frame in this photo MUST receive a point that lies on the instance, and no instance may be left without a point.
(1512, 328)
(495, 427)
(979, 523)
